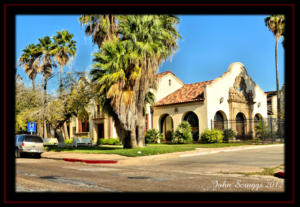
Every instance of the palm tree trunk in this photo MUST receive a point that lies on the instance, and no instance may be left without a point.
(141, 119)
(133, 142)
(44, 121)
(140, 134)
(277, 84)
(123, 134)
(60, 80)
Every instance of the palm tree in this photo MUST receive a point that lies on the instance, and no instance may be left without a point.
(125, 69)
(100, 27)
(154, 39)
(276, 24)
(115, 88)
(29, 59)
(45, 48)
(64, 48)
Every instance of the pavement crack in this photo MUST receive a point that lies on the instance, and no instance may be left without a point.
(79, 183)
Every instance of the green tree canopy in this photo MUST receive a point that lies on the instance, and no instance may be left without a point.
(125, 66)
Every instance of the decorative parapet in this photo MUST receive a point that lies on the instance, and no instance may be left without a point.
(238, 93)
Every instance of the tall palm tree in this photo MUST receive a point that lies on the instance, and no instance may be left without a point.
(64, 48)
(29, 60)
(45, 48)
(125, 69)
(276, 24)
(154, 38)
(100, 27)
(115, 88)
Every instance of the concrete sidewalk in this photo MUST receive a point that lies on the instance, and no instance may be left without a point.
(144, 160)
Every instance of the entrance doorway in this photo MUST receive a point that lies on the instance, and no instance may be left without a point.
(100, 129)
(240, 125)
(166, 126)
(192, 118)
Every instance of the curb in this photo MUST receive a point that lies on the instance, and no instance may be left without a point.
(81, 160)
(90, 161)
(228, 150)
(279, 174)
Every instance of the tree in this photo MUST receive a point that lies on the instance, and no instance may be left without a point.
(276, 24)
(27, 101)
(154, 38)
(29, 60)
(125, 69)
(57, 111)
(45, 47)
(100, 27)
(72, 103)
(64, 48)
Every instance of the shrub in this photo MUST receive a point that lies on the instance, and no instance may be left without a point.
(109, 141)
(212, 136)
(68, 141)
(169, 136)
(228, 134)
(261, 129)
(183, 134)
(153, 136)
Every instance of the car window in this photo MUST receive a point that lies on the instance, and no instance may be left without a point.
(33, 139)
(20, 138)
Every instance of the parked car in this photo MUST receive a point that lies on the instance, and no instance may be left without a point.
(29, 144)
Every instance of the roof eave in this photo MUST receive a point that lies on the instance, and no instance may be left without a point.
(178, 103)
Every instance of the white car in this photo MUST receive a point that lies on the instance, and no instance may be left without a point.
(29, 144)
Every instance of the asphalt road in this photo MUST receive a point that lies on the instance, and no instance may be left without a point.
(220, 172)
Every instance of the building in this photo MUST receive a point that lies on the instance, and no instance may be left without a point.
(232, 100)
(272, 102)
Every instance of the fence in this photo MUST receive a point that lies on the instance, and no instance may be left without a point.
(268, 129)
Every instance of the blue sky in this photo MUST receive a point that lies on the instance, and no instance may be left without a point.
(210, 43)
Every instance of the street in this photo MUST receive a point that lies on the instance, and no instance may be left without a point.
(218, 172)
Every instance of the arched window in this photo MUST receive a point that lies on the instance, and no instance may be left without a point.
(219, 120)
(170, 82)
(257, 117)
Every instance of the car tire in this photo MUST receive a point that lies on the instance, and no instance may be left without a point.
(38, 156)
(17, 153)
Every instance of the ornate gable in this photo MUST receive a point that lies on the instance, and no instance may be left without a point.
(238, 93)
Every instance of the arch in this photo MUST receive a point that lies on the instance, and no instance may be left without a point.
(240, 124)
(220, 120)
(166, 125)
(257, 117)
(192, 118)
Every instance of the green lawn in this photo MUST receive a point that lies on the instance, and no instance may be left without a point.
(150, 149)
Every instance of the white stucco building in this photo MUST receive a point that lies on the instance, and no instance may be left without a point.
(232, 100)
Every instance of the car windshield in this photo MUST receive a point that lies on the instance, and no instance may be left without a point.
(33, 139)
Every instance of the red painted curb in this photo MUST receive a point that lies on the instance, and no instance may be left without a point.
(89, 161)
(279, 174)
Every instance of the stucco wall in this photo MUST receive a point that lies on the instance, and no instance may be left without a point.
(164, 89)
(274, 106)
(197, 107)
(220, 88)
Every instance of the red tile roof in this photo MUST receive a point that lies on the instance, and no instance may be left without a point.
(188, 93)
(159, 75)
